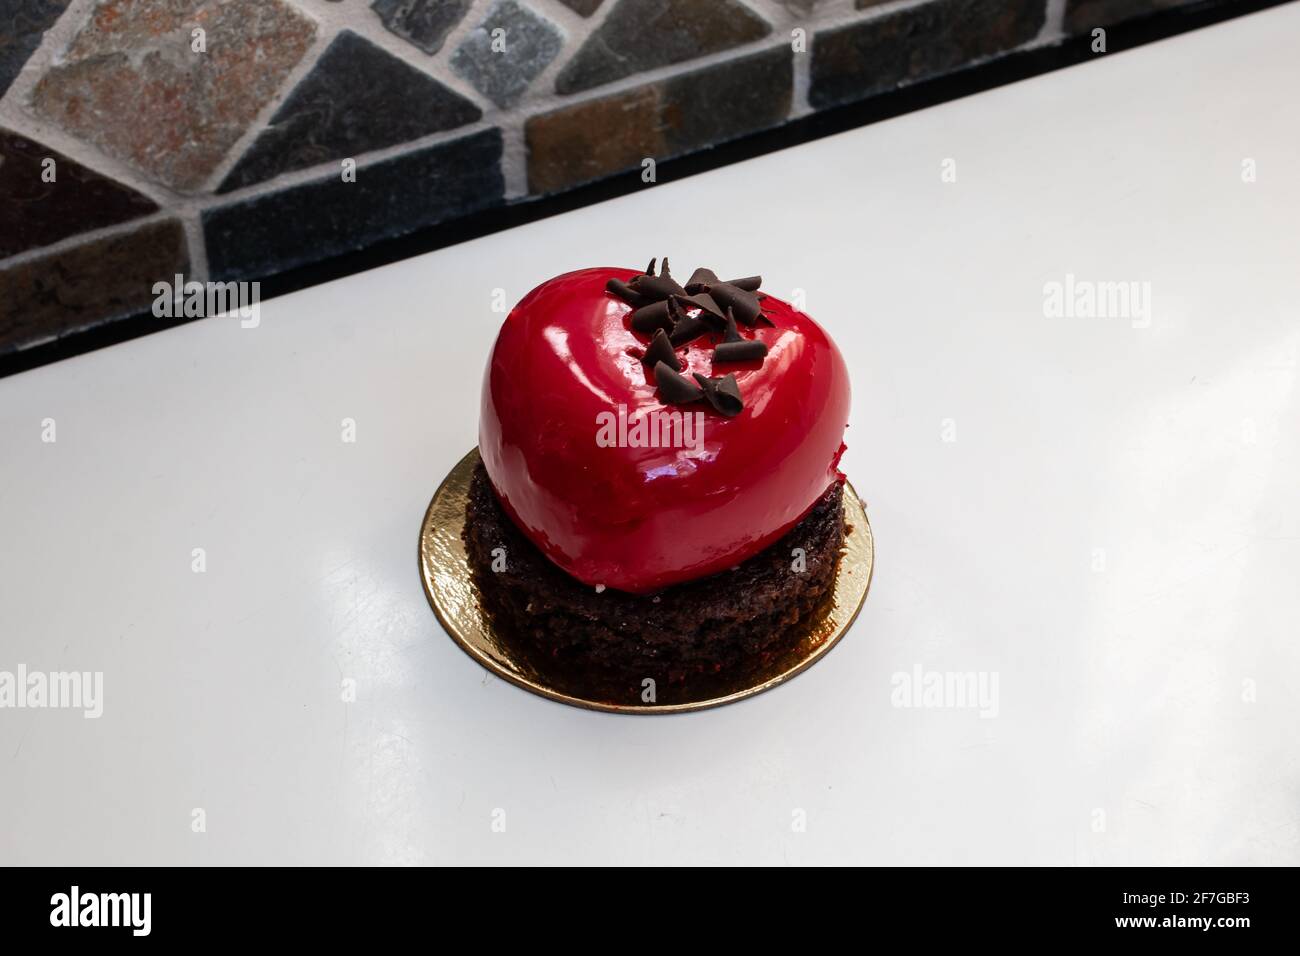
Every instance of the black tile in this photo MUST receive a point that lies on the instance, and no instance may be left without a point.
(424, 23)
(863, 59)
(641, 35)
(22, 24)
(582, 7)
(35, 213)
(713, 105)
(314, 221)
(678, 114)
(356, 99)
(1083, 15)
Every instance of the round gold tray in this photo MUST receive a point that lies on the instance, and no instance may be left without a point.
(448, 583)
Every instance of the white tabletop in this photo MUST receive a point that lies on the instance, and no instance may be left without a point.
(1114, 533)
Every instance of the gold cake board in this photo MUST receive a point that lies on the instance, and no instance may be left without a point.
(448, 583)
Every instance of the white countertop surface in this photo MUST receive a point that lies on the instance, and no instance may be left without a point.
(1114, 532)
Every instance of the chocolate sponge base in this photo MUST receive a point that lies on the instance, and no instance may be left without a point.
(727, 621)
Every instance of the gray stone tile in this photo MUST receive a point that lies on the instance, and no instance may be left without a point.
(500, 65)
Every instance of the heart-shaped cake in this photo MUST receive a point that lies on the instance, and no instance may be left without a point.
(642, 433)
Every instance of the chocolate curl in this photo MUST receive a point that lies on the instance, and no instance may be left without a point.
(731, 333)
(674, 388)
(748, 284)
(656, 287)
(700, 280)
(661, 350)
(705, 303)
(688, 329)
(750, 350)
(744, 303)
(650, 269)
(722, 393)
(625, 292)
(685, 328)
(733, 348)
(663, 269)
(656, 315)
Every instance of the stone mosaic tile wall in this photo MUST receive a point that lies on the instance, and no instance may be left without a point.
(213, 138)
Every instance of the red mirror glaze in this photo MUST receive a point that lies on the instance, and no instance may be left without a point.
(642, 518)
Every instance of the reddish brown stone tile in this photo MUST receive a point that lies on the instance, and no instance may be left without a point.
(132, 84)
(52, 295)
(591, 140)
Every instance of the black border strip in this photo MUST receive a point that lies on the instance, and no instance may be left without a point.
(1008, 68)
(1035, 905)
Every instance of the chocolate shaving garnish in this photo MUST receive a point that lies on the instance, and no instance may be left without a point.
(656, 287)
(745, 303)
(688, 329)
(707, 305)
(731, 333)
(625, 292)
(700, 280)
(722, 393)
(661, 350)
(660, 308)
(656, 315)
(685, 328)
(674, 388)
(748, 351)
